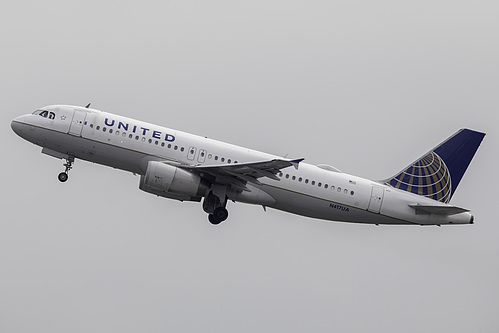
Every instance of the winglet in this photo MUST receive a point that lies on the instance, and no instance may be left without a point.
(296, 162)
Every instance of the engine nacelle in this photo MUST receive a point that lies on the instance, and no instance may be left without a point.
(171, 182)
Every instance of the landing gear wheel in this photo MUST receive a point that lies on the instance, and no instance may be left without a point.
(212, 220)
(63, 176)
(219, 215)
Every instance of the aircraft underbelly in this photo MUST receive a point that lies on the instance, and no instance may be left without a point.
(314, 207)
(96, 152)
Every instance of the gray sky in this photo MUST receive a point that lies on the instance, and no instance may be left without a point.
(365, 86)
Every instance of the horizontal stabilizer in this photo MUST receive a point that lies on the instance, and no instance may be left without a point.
(438, 210)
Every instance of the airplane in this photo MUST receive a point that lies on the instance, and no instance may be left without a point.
(186, 167)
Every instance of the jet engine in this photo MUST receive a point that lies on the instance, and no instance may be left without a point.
(171, 182)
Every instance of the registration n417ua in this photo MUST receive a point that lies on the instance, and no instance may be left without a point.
(186, 167)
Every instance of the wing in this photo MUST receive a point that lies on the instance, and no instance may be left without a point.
(237, 175)
(438, 209)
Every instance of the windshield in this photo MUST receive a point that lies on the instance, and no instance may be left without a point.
(45, 114)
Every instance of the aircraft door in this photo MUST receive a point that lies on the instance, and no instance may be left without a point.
(77, 123)
(202, 156)
(377, 194)
(191, 153)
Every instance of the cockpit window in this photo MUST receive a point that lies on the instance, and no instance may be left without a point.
(45, 114)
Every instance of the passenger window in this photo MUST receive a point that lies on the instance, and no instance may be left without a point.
(320, 184)
(103, 129)
(175, 148)
(228, 161)
(313, 182)
(287, 176)
(97, 128)
(110, 130)
(300, 179)
(222, 159)
(182, 149)
(294, 177)
(306, 181)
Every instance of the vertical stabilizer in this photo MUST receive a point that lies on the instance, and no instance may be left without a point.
(437, 174)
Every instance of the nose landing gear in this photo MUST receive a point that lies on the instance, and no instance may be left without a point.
(63, 176)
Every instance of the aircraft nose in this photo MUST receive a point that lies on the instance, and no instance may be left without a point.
(17, 126)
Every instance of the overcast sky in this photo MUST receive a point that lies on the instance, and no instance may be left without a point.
(366, 86)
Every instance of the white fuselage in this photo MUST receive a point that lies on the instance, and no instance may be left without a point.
(313, 191)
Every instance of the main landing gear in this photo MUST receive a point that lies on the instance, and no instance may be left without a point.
(214, 204)
(219, 215)
(63, 176)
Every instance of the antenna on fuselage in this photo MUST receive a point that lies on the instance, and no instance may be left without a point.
(88, 105)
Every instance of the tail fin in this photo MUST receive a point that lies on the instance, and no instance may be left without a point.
(437, 174)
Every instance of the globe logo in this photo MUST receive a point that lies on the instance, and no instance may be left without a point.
(429, 177)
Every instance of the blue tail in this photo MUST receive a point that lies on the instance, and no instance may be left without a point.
(437, 174)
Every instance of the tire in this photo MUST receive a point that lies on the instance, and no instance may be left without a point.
(63, 177)
(212, 220)
(221, 214)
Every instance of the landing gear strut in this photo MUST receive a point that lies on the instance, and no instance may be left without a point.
(63, 176)
(214, 204)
